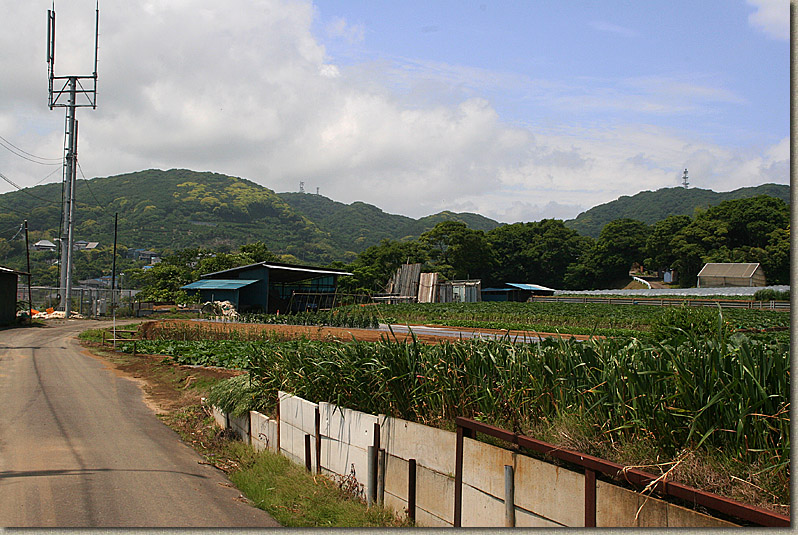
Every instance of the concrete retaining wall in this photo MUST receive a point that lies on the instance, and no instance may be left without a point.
(545, 495)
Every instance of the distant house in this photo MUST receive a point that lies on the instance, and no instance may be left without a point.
(515, 291)
(150, 257)
(83, 244)
(44, 245)
(8, 295)
(100, 282)
(719, 275)
(268, 286)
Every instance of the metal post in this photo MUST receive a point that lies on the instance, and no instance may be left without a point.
(30, 295)
(381, 477)
(590, 498)
(307, 452)
(318, 441)
(509, 497)
(373, 452)
(458, 473)
(411, 489)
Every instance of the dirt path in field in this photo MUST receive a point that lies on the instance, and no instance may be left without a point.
(423, 333)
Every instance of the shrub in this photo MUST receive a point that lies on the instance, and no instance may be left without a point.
(769, 294)
(690, 321)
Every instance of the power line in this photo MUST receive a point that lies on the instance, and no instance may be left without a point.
(24, 190)
(29, 154)
(16, 151)
(9, 229)
(86, 181)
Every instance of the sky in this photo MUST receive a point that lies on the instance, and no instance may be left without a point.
(517, 110)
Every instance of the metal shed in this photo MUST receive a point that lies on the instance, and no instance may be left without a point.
(269, 286)
(8, 295)
(719, 275)
(515, 291)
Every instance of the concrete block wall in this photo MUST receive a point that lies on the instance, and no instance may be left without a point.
(297, 419)
(345, 438)
(545, 495)
(433, 450)
(263, 432)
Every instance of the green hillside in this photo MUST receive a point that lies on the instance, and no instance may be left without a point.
(653, 206)
(167, 211)
(359, 225)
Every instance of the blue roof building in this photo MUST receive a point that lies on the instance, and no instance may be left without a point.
(515, 291)
(266, 286)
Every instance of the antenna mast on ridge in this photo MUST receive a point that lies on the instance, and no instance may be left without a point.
(685, 183)
(77, 96)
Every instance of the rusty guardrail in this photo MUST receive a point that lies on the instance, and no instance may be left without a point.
(468, 428)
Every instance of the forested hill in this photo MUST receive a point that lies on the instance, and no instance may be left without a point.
(166, 211)
(359, 225)
(653, 206)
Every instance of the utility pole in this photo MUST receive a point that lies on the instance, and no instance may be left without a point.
(77, 96)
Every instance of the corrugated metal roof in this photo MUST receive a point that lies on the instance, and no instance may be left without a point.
(9, 270)
(218, 284)
(498, 289)
(532, 287)
(739, 270)
(284, 267)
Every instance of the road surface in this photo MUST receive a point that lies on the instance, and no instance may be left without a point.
(79, 448)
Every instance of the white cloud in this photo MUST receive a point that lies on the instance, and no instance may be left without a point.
(245, 88)
(612, 28)
(771, 17)
(340, 28)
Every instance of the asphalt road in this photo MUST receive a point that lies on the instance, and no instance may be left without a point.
(79, 448)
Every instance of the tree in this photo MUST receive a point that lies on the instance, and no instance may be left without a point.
(620, 244)
(538, 252)
(259, 252)
(659, 251)
(456, 251)
(374, 266)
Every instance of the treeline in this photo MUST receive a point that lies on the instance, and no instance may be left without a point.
(549, 253)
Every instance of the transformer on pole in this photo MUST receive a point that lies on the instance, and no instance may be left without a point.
(77, 96)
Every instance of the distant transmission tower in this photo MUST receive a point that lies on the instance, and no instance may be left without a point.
(685, 183)
(71, 88)
(301, 187)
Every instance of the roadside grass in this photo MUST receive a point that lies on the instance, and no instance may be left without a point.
(288, 492)
(296, 498)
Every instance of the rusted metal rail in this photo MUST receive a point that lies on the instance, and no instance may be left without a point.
(468, 428)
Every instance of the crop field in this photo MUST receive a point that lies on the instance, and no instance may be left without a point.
(691, 386)
(569, 318)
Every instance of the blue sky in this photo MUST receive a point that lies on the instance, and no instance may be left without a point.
(516, 110)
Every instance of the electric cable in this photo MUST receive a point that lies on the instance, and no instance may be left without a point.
(9, 229)
(25, 157)
(86, 181)
(29, 154)
(24, 190)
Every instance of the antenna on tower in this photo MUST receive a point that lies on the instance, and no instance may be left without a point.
(685, 183)
(71, 88)
(301, 187)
